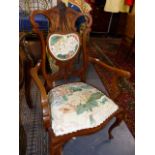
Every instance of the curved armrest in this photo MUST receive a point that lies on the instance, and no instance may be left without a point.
(119, 72)
(44, 98)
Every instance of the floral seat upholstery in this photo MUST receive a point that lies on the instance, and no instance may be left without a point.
(77, 106)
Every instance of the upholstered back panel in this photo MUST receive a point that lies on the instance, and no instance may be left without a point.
(63, 47)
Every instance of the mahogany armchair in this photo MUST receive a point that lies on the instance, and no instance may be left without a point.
(74, 108)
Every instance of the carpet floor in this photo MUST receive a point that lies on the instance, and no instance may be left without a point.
(36, 140)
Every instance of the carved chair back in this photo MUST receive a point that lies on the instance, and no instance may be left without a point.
(63, 43)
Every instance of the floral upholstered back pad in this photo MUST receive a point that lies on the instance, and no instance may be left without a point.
(63, 47)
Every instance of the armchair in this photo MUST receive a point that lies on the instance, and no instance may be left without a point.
(70, 108)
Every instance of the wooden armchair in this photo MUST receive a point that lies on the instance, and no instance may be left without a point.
(74, 108)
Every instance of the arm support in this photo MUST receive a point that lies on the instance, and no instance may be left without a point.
(44, 98)
(118, 72)
(112, 85)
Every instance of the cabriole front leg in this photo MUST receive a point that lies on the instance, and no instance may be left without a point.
(119, 118)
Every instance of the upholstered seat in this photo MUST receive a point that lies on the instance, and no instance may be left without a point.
(77, 106)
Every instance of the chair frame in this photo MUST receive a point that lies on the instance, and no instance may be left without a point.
(57, 21)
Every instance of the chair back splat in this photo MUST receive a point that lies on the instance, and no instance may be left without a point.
(63, 43)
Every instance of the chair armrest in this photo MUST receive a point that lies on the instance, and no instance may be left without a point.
(112, 85)
(117, 71)
(44, 98)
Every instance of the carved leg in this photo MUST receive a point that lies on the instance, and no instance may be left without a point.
(59, 149)
(118, 120)
(28, 65)
(52, 150)
(56, 149)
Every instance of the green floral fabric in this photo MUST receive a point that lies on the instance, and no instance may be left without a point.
(63, 47)
(77, 106)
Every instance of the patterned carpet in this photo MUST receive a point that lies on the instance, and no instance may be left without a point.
(110, 51)
(36, 137)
